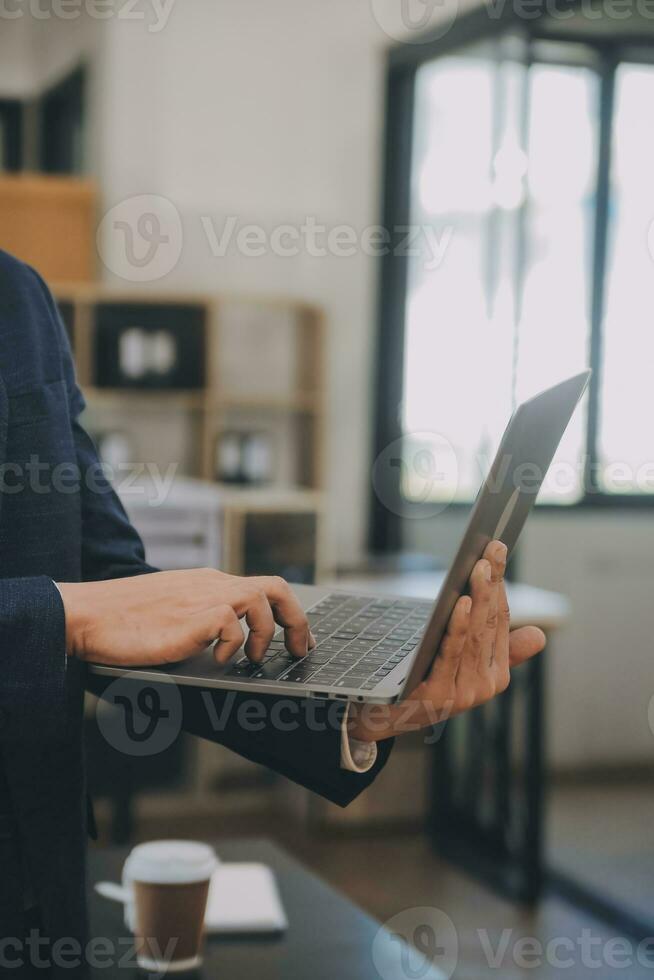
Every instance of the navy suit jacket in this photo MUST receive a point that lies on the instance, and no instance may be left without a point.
(57, 525)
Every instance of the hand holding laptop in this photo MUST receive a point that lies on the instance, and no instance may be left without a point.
(402, 664)
(166, 616)
(473, 665)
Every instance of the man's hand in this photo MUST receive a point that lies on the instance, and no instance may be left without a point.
(168, 616)
(473, 663)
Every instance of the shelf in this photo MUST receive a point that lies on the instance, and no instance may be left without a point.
(307, 403)
(177, 398)
(270, 496)
(294, 409)
(81, 291)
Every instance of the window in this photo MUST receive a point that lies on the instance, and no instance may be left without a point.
(61, 136)
(626, 430)
(528, 185)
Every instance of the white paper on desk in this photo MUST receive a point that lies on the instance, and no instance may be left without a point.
(243, 898)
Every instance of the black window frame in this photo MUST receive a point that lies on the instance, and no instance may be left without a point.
(403, 62)
(61, 113)
(12, 119)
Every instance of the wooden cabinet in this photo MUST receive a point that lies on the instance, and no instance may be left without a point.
(49, 222)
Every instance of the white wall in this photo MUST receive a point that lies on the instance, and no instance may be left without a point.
(600, 666)
(16, 73)
(270, 112)
(35, 52)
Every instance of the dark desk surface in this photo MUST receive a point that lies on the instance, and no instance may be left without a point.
(329, 938)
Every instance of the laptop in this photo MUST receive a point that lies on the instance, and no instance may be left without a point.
(378, 649)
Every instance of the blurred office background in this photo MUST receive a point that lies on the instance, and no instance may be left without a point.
(323, 406)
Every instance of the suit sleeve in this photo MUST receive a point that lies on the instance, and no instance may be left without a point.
(33, 690)
(34, 681)
(299, 739)
(111, 547)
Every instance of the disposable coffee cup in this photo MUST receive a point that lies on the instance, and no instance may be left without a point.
(168, 883)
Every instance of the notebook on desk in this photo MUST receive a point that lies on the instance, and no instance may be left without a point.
(244, 899)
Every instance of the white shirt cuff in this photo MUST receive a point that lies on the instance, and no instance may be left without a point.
(356, 756)
(62, 599)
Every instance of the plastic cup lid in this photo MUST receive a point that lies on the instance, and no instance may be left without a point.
(171, 862)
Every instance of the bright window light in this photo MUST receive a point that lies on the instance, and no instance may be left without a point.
(626, 434)
(506, 311)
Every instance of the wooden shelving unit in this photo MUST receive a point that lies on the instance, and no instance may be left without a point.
(263, 367)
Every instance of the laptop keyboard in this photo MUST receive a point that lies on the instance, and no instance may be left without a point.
(359, 641)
